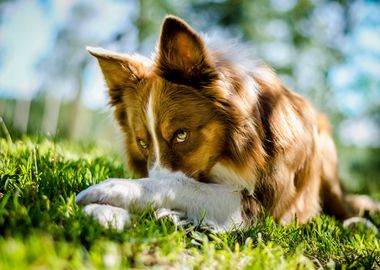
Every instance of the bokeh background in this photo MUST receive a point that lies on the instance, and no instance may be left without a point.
(328, 51)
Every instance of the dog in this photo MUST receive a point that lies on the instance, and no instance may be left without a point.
(215, 140)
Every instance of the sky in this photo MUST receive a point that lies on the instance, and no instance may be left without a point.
(28, 30)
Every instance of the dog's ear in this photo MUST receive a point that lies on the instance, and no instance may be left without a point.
(120, 71)
(182, 55)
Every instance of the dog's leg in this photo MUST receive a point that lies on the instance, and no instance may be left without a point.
(215, 205)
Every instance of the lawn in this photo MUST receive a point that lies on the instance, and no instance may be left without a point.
(42, 228)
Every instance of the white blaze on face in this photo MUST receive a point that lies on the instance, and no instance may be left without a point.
(152, 130)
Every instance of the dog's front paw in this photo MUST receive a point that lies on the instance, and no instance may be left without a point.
(113, 192)
(108, 216)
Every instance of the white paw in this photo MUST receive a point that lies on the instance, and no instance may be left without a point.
(111, 191)
(98, 193)
(108, 216)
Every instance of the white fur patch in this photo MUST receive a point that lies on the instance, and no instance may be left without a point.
(251, 91)
(152, 130)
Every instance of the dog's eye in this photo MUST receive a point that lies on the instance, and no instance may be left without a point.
(143, 144)
(181, 136)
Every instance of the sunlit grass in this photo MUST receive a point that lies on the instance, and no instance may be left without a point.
(41, 227)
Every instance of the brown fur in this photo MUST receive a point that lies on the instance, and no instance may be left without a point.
(272, 140)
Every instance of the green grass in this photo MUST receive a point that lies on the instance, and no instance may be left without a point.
(42, 228)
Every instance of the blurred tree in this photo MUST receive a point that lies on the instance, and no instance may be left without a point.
(64, 66)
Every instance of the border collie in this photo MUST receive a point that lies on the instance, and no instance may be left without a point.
(214, 140)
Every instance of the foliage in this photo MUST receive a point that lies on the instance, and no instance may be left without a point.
(41, 227)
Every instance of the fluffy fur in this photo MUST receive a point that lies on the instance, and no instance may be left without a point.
(215, 136)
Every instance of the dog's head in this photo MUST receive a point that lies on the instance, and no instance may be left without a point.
(172, 109)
